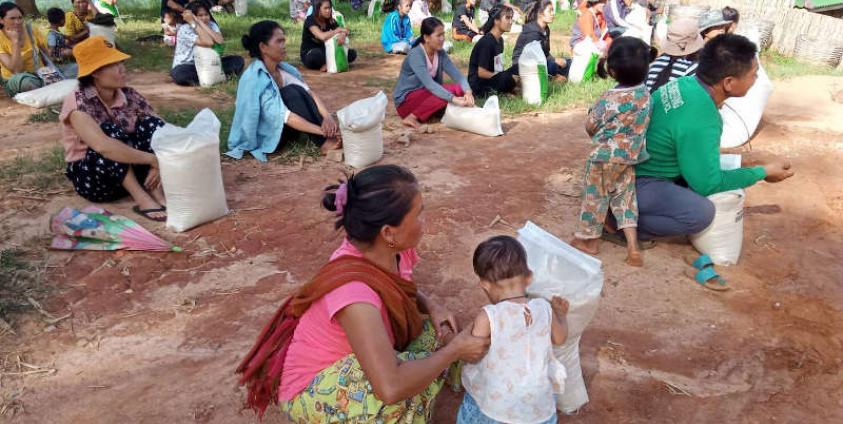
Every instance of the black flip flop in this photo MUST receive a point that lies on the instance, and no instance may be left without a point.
(145, 213)
(618, 239)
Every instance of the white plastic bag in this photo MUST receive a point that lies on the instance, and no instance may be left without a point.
(639, 26)
(208, 66)
(742, 115)
(401, 47)
(484, 121)
(561, 270)
(108, 32)
(532, 68)
(241, 7)
(722, 241)
(336, 55)
(361, 125)
(374, 8)
(189, 160)
(584, 62)
(50, 95)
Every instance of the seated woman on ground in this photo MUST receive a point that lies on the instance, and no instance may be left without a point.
(357, 327)
(419, 93)
(106, 131)
(199, 31)
(679, 54)
(590, 25)
(273, 103)
(463, 25)
(539, 16)
(397, 32)
(320, 27)
(486, 72)
(17, 67)
(713, 23)
(75, 28)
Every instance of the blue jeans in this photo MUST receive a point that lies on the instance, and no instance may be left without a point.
(667, 209)
(470, 413)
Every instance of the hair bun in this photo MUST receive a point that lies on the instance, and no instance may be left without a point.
(246, 41)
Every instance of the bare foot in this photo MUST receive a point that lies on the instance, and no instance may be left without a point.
(411, 121)
(592, 246)
(634, 259)
(330, 144)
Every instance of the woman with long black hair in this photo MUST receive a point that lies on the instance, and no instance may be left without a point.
(486, 72)
(539, 16)
(318, 28)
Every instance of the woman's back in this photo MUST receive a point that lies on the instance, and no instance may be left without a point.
(517, 378)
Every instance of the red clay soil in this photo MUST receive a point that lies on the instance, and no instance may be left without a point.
(156, 337)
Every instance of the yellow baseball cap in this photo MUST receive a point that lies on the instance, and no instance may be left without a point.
(94, 53)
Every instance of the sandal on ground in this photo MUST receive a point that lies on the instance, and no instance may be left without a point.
(701, 263)
(618, 239)
(146, 213)
(710, 279)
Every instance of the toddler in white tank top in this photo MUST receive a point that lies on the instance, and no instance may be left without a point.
(516, 380)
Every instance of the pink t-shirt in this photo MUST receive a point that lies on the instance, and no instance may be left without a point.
(319, 339)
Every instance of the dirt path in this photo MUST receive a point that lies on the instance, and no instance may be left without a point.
(155, 338)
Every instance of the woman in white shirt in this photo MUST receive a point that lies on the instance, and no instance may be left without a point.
(199, 30)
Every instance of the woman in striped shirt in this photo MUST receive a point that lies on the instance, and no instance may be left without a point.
(679, 54)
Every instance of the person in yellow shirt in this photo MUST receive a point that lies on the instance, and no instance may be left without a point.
(17, 66)
(74, 27)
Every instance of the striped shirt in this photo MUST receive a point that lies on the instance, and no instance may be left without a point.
(681, 68)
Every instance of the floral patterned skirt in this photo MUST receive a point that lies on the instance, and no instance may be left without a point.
(341, 393)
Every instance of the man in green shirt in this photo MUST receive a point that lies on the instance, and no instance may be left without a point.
(683, 141)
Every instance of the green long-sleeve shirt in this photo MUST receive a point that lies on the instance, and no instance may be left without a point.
(683, 140)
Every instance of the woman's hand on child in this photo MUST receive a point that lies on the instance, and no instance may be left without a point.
(560, 306)
(470, 348)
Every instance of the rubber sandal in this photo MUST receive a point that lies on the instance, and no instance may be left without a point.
(145, 213)
(710, 279)
(702, 262)
(620, 240)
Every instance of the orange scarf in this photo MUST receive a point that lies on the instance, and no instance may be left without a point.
(262, 367)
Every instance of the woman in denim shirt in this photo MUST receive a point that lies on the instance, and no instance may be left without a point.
(273, 99)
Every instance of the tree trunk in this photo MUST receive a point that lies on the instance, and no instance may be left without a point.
(28, 6)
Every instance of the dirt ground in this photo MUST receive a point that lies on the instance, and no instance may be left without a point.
(156, 337)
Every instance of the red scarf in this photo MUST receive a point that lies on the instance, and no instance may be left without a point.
(262, 367)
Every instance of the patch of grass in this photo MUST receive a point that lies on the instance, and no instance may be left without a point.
(20, 280)
(562, 97)
(26, 172)
(45, 115)
(779, 66)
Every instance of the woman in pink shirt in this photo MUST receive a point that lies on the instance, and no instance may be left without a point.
(351, 345)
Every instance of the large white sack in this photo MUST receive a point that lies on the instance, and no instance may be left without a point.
(639, 25)
(49, 95)
(722, 241)
(208, 66)
(336, 55)
(108, 32)
(189, 160)
(561, 270)
(741, 115)
(241, 7)
(361, 125)
(484, 121)
(586, 54)
(532, 70)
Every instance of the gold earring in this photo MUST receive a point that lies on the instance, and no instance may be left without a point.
(391, 244)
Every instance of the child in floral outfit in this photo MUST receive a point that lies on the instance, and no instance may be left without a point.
(617, 124)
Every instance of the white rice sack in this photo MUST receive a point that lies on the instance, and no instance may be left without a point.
(586, 55)
(722, 241)
(532, 69)
(106, 31)
(336, 55)
(561, 270)
(189, 160)
(46, 96)
(241, 7)
(484, 121)
(361, 125)
(401, 47)
(742, 115)
(208, 66)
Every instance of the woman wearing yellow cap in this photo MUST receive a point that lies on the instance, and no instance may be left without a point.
(107, 129)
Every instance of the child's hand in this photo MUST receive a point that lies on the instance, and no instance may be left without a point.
(560, 306)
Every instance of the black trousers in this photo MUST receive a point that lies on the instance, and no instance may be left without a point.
(502, 82)
(99, 179)
(185, 74)
(299, 101)
(315, 58)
